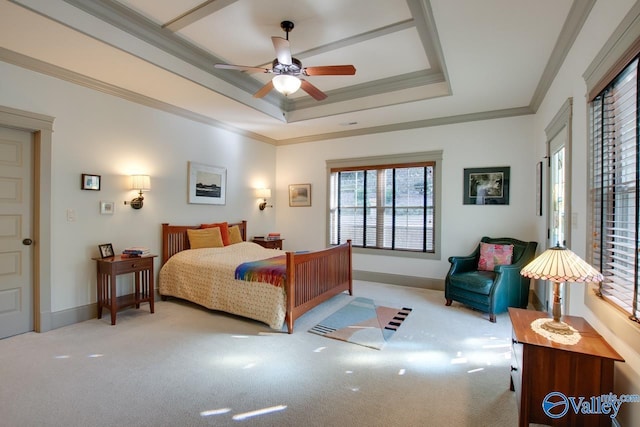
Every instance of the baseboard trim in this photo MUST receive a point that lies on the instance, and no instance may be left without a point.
(535, 301)
(73, 315)
(400, 280)
(81, 313)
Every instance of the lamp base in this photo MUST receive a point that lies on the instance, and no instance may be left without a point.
(556, 327)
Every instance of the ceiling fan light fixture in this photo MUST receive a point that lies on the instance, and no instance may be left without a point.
(286, 84)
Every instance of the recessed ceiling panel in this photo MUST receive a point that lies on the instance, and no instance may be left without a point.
(375, 59)
(241, 32)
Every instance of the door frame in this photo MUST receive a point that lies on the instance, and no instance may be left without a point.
(41, 126)
(560, 122)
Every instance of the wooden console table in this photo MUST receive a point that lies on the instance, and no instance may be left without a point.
(540, 366)
(109, 268)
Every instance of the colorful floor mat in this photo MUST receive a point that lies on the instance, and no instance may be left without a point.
(363, 322)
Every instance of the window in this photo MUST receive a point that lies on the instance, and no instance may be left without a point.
(386, 203)
(614, 189)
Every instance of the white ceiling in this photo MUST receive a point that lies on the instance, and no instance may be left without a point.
(419, 62)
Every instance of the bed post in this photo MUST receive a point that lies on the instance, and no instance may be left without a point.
(165, 242)
(290, 294)
(350, 270)
(243, 229)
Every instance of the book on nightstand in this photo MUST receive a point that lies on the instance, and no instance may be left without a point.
(135, 251)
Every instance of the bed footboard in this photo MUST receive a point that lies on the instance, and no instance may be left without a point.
(314, 277)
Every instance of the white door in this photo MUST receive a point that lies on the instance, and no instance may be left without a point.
(16, 287)
(558, 212)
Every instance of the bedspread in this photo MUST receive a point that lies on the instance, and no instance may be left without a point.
(207, 277)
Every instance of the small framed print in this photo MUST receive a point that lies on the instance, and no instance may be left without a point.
(90, 182)
(299, 195)
(106, 250)
(107, 208)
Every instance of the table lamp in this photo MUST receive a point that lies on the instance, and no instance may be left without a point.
(559, 264)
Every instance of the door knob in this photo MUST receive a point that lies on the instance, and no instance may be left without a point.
(27, 242)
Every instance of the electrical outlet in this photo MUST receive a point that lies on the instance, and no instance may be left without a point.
(71, 215)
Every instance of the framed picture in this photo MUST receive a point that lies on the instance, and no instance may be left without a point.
(299, 195)
(106, 250)
(539, 189)
(486, 186)
(90, 182)
(207, 184)
(107, 208)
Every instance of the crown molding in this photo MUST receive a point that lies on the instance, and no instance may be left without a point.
(42, 67)
(572, 26)
(440, 121)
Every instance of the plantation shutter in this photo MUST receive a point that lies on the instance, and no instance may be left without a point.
(614, 195)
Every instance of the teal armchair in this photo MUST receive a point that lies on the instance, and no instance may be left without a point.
(490, 291)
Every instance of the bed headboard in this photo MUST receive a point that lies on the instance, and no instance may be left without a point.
(174, 237)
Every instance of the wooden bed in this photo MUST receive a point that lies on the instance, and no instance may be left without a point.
(311, 277)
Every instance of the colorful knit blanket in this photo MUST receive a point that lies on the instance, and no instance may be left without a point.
(270, 270)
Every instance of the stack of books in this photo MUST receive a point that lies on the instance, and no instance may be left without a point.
(135, 251)
(273, 236)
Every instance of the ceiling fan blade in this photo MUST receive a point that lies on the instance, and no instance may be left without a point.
(283, 50)
(312, 90)
(264, 90)
(242, 68)
(330, 70)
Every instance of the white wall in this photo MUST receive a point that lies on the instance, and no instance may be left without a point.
(603, 20)
(499, 142)
(104, 135)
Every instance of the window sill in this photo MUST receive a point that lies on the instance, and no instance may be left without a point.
(615, 320)
(400, 254)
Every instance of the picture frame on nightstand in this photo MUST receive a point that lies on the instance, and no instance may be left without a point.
(106, 250)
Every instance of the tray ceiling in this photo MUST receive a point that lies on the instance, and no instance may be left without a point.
(418, 62)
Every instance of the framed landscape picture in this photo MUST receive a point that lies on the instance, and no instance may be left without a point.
(486, 186)
(300, 195)
(207, 184)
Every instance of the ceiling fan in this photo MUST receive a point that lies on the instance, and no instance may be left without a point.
(288, 70)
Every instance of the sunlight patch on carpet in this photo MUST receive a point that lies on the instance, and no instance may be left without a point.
(363, 322)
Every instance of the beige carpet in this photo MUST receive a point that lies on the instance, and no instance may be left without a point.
(186, 366)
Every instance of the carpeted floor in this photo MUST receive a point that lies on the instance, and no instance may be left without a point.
(186, 366)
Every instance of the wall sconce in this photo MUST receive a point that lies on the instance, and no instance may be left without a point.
(264, 194)
(140, 183)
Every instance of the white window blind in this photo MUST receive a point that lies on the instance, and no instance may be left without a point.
(614, 189)
(383, 207)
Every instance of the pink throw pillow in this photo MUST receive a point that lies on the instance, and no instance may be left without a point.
(492, 255)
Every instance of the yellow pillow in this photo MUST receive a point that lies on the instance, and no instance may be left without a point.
(205, 238)
(234, 235)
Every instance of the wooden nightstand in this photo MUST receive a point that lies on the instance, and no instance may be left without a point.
(540, 366)
(109, 268)
(269, 243)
